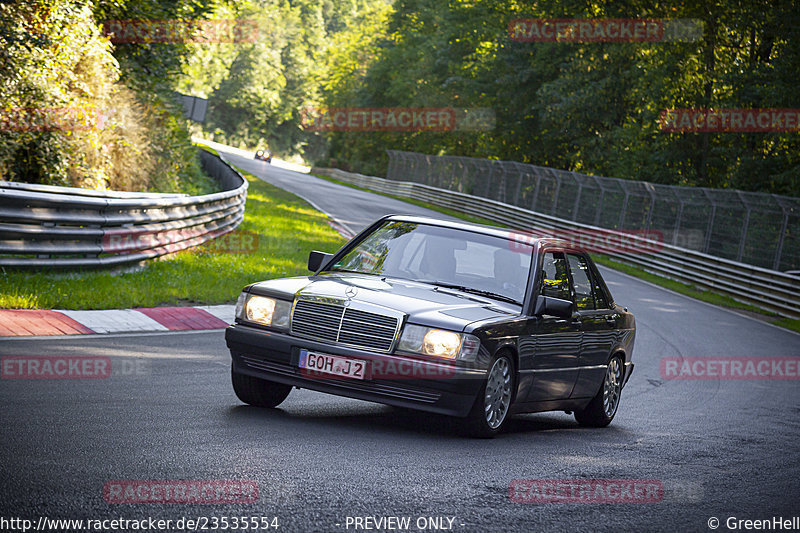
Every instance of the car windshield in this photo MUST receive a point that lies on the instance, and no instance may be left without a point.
(448, 257)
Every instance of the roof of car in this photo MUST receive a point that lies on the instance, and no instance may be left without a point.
(519, 235)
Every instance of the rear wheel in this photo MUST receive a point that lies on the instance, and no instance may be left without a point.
(601, 410)
(490, 411)
(258, 392)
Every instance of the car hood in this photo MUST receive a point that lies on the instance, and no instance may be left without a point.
(423, 303)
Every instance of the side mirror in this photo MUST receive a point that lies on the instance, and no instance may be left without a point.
(317, 259)
(547, 305)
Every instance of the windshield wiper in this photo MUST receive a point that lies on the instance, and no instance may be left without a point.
(351, 271)
(473, 290)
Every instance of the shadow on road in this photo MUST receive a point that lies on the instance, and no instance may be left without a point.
(381, 420)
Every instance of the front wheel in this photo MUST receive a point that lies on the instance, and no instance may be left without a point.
(490, 411)
(258, 392)
(601, 410)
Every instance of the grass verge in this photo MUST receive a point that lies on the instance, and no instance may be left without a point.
(282, 227)
(676, 286)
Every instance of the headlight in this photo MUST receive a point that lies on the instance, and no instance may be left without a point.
(439, 343)
(263, 310)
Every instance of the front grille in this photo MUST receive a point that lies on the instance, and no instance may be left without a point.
(316, 321)
(336, 323)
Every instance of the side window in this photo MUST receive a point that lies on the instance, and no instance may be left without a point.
(580, 280)
(555, 282)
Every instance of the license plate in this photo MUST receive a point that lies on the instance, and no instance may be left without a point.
(333, 365)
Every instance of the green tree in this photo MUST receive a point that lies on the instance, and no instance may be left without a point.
(590, 107)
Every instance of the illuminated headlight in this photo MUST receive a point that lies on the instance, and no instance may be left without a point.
(263, 310)
(439, 343)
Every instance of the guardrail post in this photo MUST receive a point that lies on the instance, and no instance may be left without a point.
(624, 209)
(678, 222)
(518, 193)
(710, 226)
(408, 164)
(426, 176)
(776, 265)
(538, 179)
(413, 173)
(652, 207)
(501, 191)
(745, 224)
(599, 211)
(488, 179)
(577, 204)
(390, 167)
(554, 208)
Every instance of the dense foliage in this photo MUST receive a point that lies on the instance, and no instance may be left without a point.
(78, 111)
(590, 107)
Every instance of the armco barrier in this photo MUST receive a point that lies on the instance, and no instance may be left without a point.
(43, 226)
(770, 290)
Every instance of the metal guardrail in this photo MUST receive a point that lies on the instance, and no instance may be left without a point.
(44, 226)
(747, 227)
(770, 290)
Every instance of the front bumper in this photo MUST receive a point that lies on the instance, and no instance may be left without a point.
(275, 356)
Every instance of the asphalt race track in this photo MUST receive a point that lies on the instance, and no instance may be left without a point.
(719, 448)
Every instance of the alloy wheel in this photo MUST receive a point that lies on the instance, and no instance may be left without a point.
(612, 387)
(498, 393)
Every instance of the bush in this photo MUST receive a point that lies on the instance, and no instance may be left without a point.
(67, 119)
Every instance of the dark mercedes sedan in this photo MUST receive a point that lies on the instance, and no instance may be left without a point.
(459, 319)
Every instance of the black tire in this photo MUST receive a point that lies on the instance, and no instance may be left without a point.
(480, 423)
(601, 410)
(258, 392)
